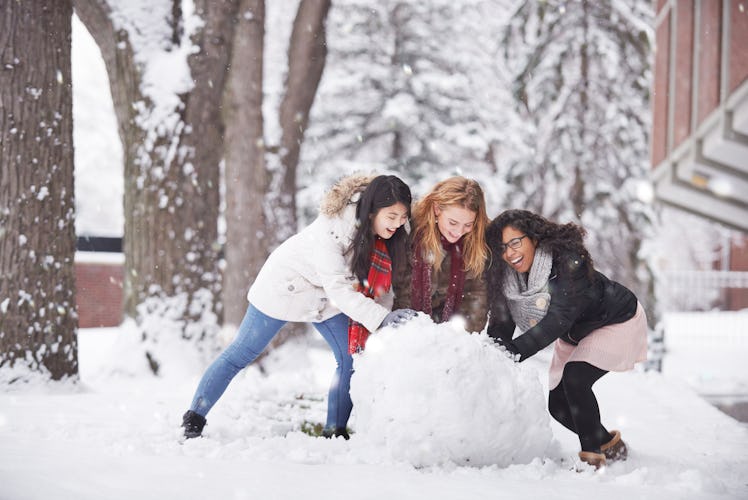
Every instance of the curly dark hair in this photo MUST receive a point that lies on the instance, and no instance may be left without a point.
(557, 238)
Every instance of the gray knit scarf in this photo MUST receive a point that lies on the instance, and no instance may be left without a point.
(528, 301)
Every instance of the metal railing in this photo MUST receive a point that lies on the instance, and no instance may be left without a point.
(695, 290)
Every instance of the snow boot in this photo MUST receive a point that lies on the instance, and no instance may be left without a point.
(193, 424)
(329, 433)
(596, 460)
(615, 449)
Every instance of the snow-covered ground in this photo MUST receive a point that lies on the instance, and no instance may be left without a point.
(117, 436)
(708, 350)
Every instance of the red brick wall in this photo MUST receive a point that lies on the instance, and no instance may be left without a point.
(738, 43)
(99, 294)
(660, 93)
(685, 26)
(710, 31)
(737, 298)
(683, 71)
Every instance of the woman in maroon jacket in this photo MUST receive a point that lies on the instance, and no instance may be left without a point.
(542, 282)
(447, 255)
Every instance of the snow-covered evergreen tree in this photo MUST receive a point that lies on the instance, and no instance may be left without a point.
(545, 103)
(581, 79)
(405, 90)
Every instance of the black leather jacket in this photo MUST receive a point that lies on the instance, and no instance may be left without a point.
(580, 303)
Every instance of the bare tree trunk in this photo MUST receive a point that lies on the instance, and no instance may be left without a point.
(261, 180)
(124, 77)
(306, 61)
(172, 157)
(38, 319)
(577, 194)
(245, 174)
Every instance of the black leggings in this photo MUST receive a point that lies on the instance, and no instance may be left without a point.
(574, 405)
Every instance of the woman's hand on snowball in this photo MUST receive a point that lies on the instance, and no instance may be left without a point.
(398, 317)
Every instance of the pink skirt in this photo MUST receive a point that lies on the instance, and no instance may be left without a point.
(614, 348)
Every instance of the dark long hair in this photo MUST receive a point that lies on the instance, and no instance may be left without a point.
(383, 191)
(556, 238)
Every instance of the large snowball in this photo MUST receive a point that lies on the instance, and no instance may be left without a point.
(434, 394)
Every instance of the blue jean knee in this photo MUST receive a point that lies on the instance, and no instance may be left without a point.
(256, 331)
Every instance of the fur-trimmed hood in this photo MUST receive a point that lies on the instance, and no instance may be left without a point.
(346, 191)
(308, 278)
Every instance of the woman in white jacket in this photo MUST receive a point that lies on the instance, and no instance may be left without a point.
(335, 274)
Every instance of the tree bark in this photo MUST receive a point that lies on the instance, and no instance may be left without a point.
(306, 61)
(247, 241)
(38, 319)
(172, 159)
(261, 180)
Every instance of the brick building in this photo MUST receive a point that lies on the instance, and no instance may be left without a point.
(98, 275)
(700, 116)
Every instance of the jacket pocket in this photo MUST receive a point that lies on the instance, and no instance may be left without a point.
(295, 285)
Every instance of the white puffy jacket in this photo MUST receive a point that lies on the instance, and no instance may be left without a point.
(308, 277)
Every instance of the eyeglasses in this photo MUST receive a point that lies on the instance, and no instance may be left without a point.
(514, 244)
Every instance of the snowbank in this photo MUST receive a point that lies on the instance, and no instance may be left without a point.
(117, 435)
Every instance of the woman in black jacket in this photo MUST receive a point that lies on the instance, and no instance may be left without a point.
(541, 281)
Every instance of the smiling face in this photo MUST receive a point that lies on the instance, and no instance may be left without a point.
(389, 219)
(454, 221)
(520, 258)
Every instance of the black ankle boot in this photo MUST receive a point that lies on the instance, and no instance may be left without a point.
(336, 432)
(193, 424)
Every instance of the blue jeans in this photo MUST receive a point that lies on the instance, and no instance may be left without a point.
(255, 333)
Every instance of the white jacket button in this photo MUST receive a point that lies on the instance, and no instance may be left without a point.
(290, 288)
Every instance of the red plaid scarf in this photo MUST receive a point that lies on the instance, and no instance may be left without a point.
(421, 286)
(378, 283)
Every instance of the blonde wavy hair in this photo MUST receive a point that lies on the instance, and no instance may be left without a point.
(462, 192)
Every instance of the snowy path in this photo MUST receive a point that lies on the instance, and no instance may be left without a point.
(118, 439)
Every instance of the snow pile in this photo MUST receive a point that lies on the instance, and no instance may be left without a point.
(129, 355)
(433, 394)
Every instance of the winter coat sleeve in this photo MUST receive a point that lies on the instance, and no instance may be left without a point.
(568, 300)
(339, 284)
(474, 305)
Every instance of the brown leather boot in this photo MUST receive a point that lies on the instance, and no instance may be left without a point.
(596, 460)
(615, 449)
